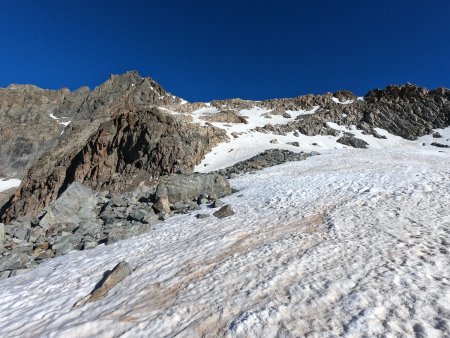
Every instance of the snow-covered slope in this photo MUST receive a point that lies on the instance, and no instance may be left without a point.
(352, 243)
(245, 141)
(444, 139)
(6, 183)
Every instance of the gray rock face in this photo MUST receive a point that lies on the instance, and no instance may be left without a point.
(15, 261)
(352, 141)
(2, 232)
(76, 205)
(28, 131)
(18, 230)
(187, 188)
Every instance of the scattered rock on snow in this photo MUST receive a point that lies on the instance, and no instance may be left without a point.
(110, 279)
(223, 212)
(440, 145)
(352, 142)
(295, 144)
(217, 204)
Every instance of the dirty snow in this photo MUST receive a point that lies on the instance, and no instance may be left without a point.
(351, 243)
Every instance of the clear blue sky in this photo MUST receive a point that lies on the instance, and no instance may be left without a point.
(203, 50)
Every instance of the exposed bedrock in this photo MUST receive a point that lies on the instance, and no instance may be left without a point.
(117, 154)
(407, 111)
(32, 119)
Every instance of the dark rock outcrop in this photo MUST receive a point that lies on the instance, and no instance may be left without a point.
(117, 154)
(352, 141)
(440, 145)
(407, 111)
(265, 159)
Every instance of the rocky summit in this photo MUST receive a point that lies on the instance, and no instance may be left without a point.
(98, 166)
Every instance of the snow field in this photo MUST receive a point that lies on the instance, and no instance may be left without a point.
(352, 243)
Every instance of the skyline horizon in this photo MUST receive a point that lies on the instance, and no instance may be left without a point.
(358, 94)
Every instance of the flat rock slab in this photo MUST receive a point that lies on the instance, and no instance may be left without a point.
(109, 280)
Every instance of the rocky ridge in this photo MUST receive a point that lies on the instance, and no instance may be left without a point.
(130, 147)
(32, 119)
(407, 111)
(118, 136)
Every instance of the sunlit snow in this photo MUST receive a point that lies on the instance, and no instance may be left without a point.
(6, 184)
(351, 243)
(336, 100)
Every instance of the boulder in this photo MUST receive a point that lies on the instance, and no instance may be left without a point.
(217, 204)
(223, 212)
(352, 142)
(110, 279)
(18, 230)
(162, 205)
(187, 188)
(76, 205)
(15, 261)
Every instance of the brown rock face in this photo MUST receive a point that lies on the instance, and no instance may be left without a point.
(31, 118)
(115, 154)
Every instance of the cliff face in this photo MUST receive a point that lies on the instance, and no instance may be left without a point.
(26, 128)
(118, 154)
(32, 119)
